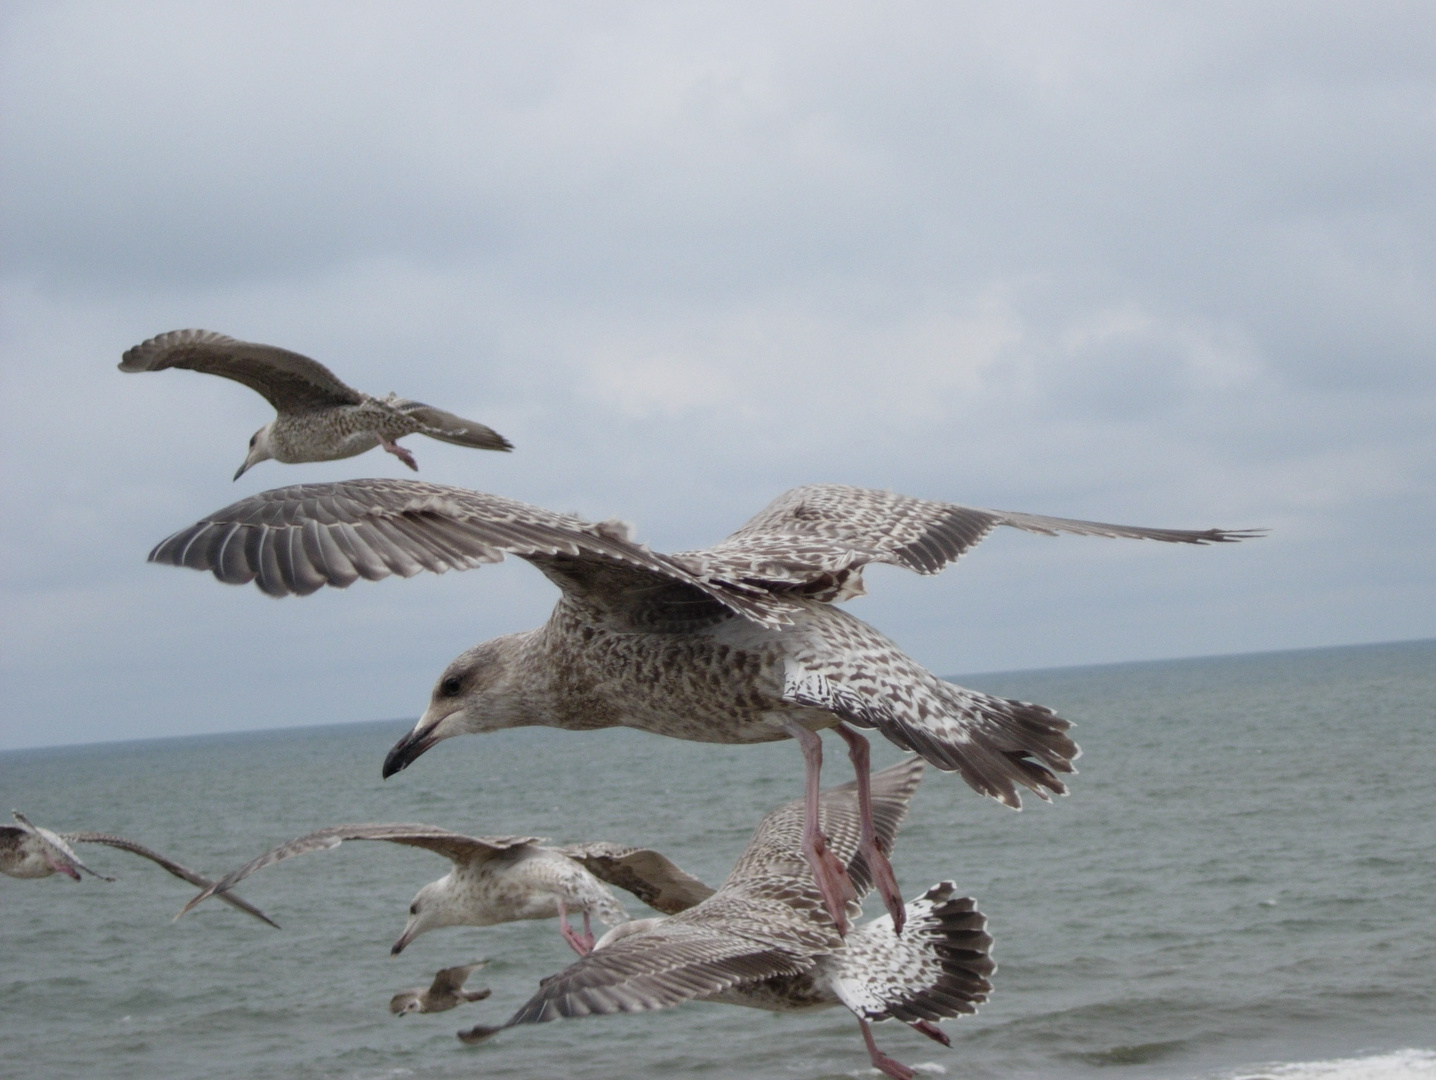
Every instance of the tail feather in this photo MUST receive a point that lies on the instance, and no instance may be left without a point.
(449, 428)
(938, 968)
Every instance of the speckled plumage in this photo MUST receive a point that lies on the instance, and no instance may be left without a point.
(765, 940)
(29, 851)
(319, 417)
(495, 879)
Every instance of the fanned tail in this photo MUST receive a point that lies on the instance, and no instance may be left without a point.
(938, 968)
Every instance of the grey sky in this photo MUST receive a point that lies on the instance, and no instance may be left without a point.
(1166, 265)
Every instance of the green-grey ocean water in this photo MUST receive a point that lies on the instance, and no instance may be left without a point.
(1244, 873)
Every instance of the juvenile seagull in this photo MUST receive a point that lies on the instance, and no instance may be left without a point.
(737, 643)
(444, 993)
(765, 939)
(498, 879)
(320, 418)
(29, 851)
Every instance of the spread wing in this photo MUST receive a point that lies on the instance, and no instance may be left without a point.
(813, 540)
(286, 379)
(676, 959)
(300, 538)
(777, 844)
(648, 875)
(454, 846)
(184, 873)
(446, 427)
(450, 980)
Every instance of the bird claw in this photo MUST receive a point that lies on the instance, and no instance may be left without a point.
(400, 452)
(932, 1031)
(833, 883)
(580, 943)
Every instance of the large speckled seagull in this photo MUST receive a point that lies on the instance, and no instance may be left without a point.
(28, 850)
(499, 879)
(765, 939)
(320, 418)
(741, 642)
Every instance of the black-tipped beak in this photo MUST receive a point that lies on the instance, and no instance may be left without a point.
(406, 750)
(398, 946)
(240, 471)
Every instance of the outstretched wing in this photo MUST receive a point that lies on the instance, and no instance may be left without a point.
(288, 380)
(777, 842)
(450, 980)
(657, 967)
(300, 538)
(812, 540)
(184, 873)
(446, 427)
(454, 846)
(647, 874)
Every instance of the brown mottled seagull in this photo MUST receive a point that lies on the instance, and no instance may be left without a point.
(320, 418)
(741, 642)
(499, 879)
(30, 851)
(444, 993)
(765, 939)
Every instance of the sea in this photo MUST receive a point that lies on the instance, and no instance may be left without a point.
(1241, 885)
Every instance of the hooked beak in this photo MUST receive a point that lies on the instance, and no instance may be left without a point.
(404, 939)
(409, 747)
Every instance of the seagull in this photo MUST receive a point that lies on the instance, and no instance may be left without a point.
(737, 643)
(499, 879)
(320, 418)
(444, 993)
(30, 851)
(765, 939)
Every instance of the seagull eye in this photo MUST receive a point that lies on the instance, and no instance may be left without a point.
(450, 687)
(414, 909)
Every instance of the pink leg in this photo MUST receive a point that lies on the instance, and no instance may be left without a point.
(829, 874)
(877, 860)
(588, 937)
(399, 452)
(881, 1062)
(576, 943)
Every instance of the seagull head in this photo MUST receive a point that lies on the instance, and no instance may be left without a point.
(433, 906)
(259, 449)
(405, 1002)
(477, 692)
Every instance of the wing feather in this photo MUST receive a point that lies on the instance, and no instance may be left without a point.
(286, 379)
(457, 847)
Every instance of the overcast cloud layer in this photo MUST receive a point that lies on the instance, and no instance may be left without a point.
(1166, 265)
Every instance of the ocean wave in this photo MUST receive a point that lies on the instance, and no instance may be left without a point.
(1409, 1064)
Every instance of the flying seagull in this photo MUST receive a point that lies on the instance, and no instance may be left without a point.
(320, 418)
(499, 879)
(765, 939)
(740, 642)
(30, 851)
(444, 993)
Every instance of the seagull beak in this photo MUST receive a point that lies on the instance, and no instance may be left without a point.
(404, 939)
(409, 747)
(242, 469)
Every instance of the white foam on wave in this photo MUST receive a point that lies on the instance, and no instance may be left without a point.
(1397, 1065)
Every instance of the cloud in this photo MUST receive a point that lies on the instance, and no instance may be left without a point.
(1126, 261)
